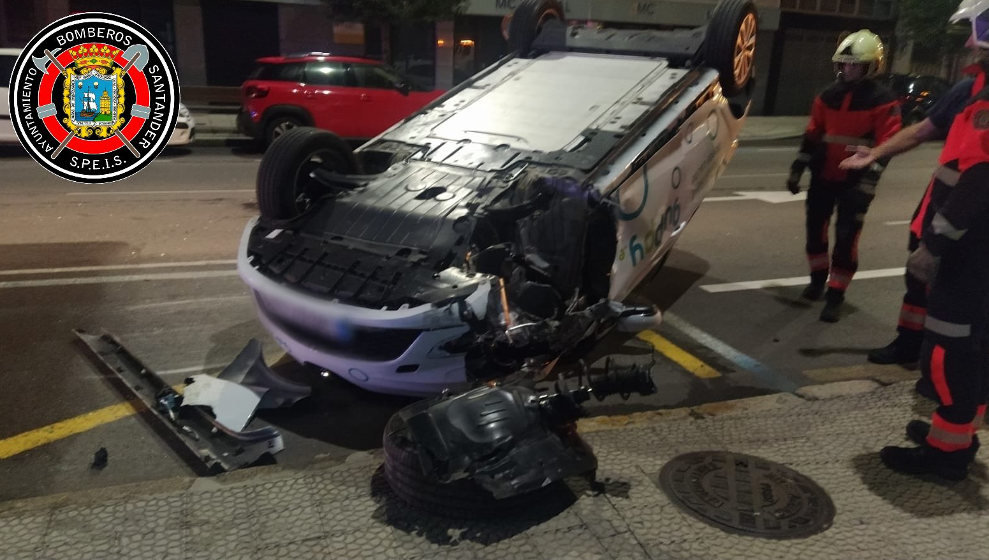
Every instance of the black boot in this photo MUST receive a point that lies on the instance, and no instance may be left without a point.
(813, 291)
(917, 431)
(903, 350)
(925, 388)
(950, 465)
(832, 306)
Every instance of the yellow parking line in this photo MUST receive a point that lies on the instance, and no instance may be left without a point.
(72, 426)
(60, 430)
(678, 355)
(77, 425)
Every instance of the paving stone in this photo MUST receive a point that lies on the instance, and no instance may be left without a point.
(296, 523)
(347, 510)
(315, 547)
(23, 532)
(516, 548)
(826, 391)
(569, 544)
(375, 542)
(624, 546)
(75, 524)
(94, 549)
(154, 545)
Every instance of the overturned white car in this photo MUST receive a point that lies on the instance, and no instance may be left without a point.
(499, 228)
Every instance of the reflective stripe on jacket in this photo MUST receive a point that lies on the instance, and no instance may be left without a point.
(844, 115)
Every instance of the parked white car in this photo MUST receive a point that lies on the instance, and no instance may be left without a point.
(185, 128)
(7, 59)
(499, 228)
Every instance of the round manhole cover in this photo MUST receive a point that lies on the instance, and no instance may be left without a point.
(748, 495)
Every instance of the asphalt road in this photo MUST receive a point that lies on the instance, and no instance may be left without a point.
(151, 259)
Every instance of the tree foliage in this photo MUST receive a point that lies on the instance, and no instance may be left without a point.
(926, 22)
(396, 11)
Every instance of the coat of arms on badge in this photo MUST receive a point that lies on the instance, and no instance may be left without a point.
(94, 92)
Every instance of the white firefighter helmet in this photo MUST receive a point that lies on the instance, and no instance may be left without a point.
(862, 47)
(977, 12)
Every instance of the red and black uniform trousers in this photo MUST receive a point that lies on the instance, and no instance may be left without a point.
(844, 115)
(955, 351)
(910, 326)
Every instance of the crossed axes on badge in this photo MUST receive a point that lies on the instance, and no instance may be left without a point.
(136, 56)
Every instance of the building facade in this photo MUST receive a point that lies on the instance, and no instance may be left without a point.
(215, 42)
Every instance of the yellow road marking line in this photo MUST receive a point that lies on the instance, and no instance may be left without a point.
(60, 430)
(72, 426)
(678, 355)
(83, 423)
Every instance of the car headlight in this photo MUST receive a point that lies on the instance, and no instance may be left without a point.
(184, 111)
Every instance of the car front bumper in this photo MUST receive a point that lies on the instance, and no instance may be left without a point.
(388, 351)
(245, 125)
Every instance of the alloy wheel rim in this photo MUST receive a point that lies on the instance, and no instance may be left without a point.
(745, 48)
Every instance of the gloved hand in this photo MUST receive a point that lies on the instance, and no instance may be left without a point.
(793, 182)
(923, 265)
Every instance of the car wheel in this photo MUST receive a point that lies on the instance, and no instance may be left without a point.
(528, 20)
(285, 188)
(459, 499)
(731, 41)
(278, 126)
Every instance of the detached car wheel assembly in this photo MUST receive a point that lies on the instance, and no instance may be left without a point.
(498, 448)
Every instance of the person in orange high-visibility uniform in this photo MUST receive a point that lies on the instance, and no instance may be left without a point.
(953, 258)
(905, 348)
(855, 110)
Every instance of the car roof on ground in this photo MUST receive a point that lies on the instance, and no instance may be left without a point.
(314, 57)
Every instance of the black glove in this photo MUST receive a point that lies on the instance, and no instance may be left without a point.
(793, 182)
(922, 264)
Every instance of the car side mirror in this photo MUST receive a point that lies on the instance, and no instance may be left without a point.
(403, 87)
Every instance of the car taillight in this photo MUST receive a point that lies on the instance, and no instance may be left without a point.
(254, 92)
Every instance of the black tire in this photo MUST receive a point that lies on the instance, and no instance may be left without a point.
(284, 188)
(730, 44)
(460, 499)
(527, 21)
(279, 125)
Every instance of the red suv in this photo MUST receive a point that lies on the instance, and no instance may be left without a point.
(355, 98)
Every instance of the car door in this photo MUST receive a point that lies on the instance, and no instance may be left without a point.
(382, 102)
(330, 100)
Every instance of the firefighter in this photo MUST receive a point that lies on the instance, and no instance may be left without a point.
(855, 110)
(905, 348)
(953, 258)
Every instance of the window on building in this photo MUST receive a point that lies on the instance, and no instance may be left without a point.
(848, 7)
(6, 68)
(20, 22)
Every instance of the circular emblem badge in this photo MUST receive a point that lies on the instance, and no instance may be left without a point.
(94, 97)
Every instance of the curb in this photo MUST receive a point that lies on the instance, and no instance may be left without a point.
(775, 401)
(272, 473)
